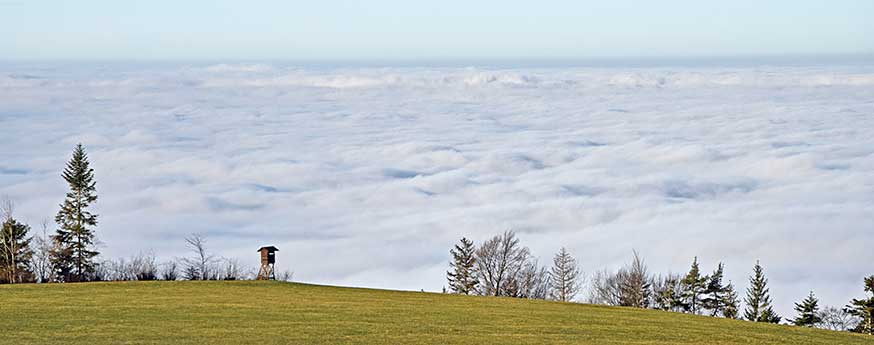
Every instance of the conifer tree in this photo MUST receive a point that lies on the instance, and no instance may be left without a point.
(770, 316)
(808, 312)
(74, 239)
(694, 285)
(864, 309)
(462, 278)
(758, 299)
(668, 293)
(564, 276)
(15, 252)
(731, 302)
(715, 293)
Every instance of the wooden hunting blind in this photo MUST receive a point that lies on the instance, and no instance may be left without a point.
(268, 259)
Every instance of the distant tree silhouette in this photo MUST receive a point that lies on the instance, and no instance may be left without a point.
(668, 293)
(731, 302)
(199, 265)
(15, 251)
(694, 285)
(864, 309)
(463, 276)
(836, 319)
(635, 284)
(808, 312)
(758, 299)
(499, 260)
(564, 276)
(716, 297)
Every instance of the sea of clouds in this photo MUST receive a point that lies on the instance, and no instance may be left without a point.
(367, 176)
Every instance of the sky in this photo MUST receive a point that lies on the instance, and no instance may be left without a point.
(415, 30)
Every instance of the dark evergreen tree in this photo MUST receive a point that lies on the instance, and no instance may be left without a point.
(462, 278)
(715, 293)
(770, 316)
(74, 239)
(808, 312)
(731, 303)
(694, 285)
(15, 252)
(758, 299)
(864, 309)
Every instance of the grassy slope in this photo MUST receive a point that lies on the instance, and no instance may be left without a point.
(282, 313)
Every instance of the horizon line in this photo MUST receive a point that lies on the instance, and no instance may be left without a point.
(616, 61)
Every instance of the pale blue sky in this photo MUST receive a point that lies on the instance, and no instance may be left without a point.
(410, 30)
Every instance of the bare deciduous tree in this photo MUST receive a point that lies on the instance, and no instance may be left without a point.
(170, 270)
(40, 262)
(144, 267)
(113, 270)
(102, 271)
(532, 282)
(7, 208)
(199, 265)
(285, 276)
(604, 288)
(564, 277)
(836, 319)
(15, 248)
(232, 270)
(635, 284)
(631, 286)
(190, 272)
(499, 260)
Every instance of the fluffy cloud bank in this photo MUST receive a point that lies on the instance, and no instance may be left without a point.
(367, 176)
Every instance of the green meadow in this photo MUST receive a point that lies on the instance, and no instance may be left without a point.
(259, 312)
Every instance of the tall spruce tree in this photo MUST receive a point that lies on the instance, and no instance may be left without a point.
(758, 299)
(715, 293)
(808, 312)
(74, 239)
(462, 278)
(694, 285)
(15, 252)
(864, 309)
(564, 276)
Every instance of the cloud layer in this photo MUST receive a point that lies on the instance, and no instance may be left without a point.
(367, 176)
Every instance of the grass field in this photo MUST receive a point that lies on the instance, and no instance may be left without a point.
(284, 313)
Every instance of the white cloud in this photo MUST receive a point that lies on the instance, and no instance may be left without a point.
(367, 176)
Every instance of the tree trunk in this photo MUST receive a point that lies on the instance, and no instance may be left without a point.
(12, 262)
